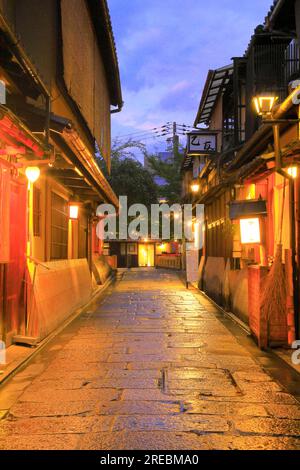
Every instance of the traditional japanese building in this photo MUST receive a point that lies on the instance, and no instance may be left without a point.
(57, 94)
(250, 186)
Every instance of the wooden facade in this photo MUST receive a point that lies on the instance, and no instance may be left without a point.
(243, 174)
(44, 123)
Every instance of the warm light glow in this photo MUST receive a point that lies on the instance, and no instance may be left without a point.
(146, 256)
(73, 211)
(250, 231)
(195, 187)
(264, 104)
(32, 173)
(293, 171)
(78, 172)
(251, 192)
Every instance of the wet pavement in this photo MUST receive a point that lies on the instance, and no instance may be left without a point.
(150, 366)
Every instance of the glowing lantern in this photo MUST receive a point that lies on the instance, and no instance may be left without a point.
(195, 186)
(293, 171)
(250, 231)
(264, 104)
(32, 173)
(73, 211)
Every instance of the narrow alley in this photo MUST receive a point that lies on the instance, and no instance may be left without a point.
(149, 366)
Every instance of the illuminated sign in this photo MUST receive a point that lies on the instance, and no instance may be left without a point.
(250, 231)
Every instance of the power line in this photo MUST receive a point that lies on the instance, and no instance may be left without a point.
(167, 130)
(143, 132)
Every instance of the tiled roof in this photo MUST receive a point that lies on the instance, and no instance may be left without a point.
(275, 2)
(275, 10)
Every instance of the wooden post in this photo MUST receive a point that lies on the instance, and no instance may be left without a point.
(290, 297)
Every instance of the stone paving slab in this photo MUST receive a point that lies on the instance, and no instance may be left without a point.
(150, 367)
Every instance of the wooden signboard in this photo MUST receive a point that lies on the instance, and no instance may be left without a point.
(202, 143)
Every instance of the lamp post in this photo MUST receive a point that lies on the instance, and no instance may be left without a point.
(264, 106)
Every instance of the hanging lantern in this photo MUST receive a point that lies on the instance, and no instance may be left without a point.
(293, 171)
(32, 173)
(73, 211)
(195, 186)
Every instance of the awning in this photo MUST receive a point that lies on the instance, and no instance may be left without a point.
(249, 208)
(75, 182)
(83, 175)
(14, 135)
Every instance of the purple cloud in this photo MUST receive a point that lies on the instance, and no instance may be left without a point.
(166, 48)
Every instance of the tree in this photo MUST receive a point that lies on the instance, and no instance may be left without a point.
(170, 171)
(128, 177)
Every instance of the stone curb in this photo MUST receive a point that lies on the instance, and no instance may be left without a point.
(25, 361)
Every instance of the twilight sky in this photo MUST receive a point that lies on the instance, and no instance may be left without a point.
(165, 48)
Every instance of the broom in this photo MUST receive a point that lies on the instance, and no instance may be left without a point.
(274, 293)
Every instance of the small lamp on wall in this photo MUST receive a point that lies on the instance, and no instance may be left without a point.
(73, 210)
(293, 171)
(195, 186)
(32, 173)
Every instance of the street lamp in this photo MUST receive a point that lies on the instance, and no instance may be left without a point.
(293, 171)
(32, 173)
(264, 104)
(195, 186)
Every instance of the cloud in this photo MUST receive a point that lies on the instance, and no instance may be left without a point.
(166, 48)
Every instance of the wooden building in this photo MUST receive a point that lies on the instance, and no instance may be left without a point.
(253, 179)
(57, 95)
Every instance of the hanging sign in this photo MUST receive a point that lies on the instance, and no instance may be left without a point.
(202, 143)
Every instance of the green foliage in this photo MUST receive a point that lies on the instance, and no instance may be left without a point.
(128, 177)
(170, 171)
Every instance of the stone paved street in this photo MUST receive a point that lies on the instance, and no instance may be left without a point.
(151, 366)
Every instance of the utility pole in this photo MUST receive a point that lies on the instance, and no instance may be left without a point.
(175, 140)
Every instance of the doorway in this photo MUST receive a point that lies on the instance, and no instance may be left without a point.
(12, 274)
(146, 255)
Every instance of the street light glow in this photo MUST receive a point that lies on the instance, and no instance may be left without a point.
(195, 187)
(293, 171)
(32, 173)
(73, 211)
(264, 104)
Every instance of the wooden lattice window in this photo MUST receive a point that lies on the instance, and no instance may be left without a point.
(37, 212)
(59, 227)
